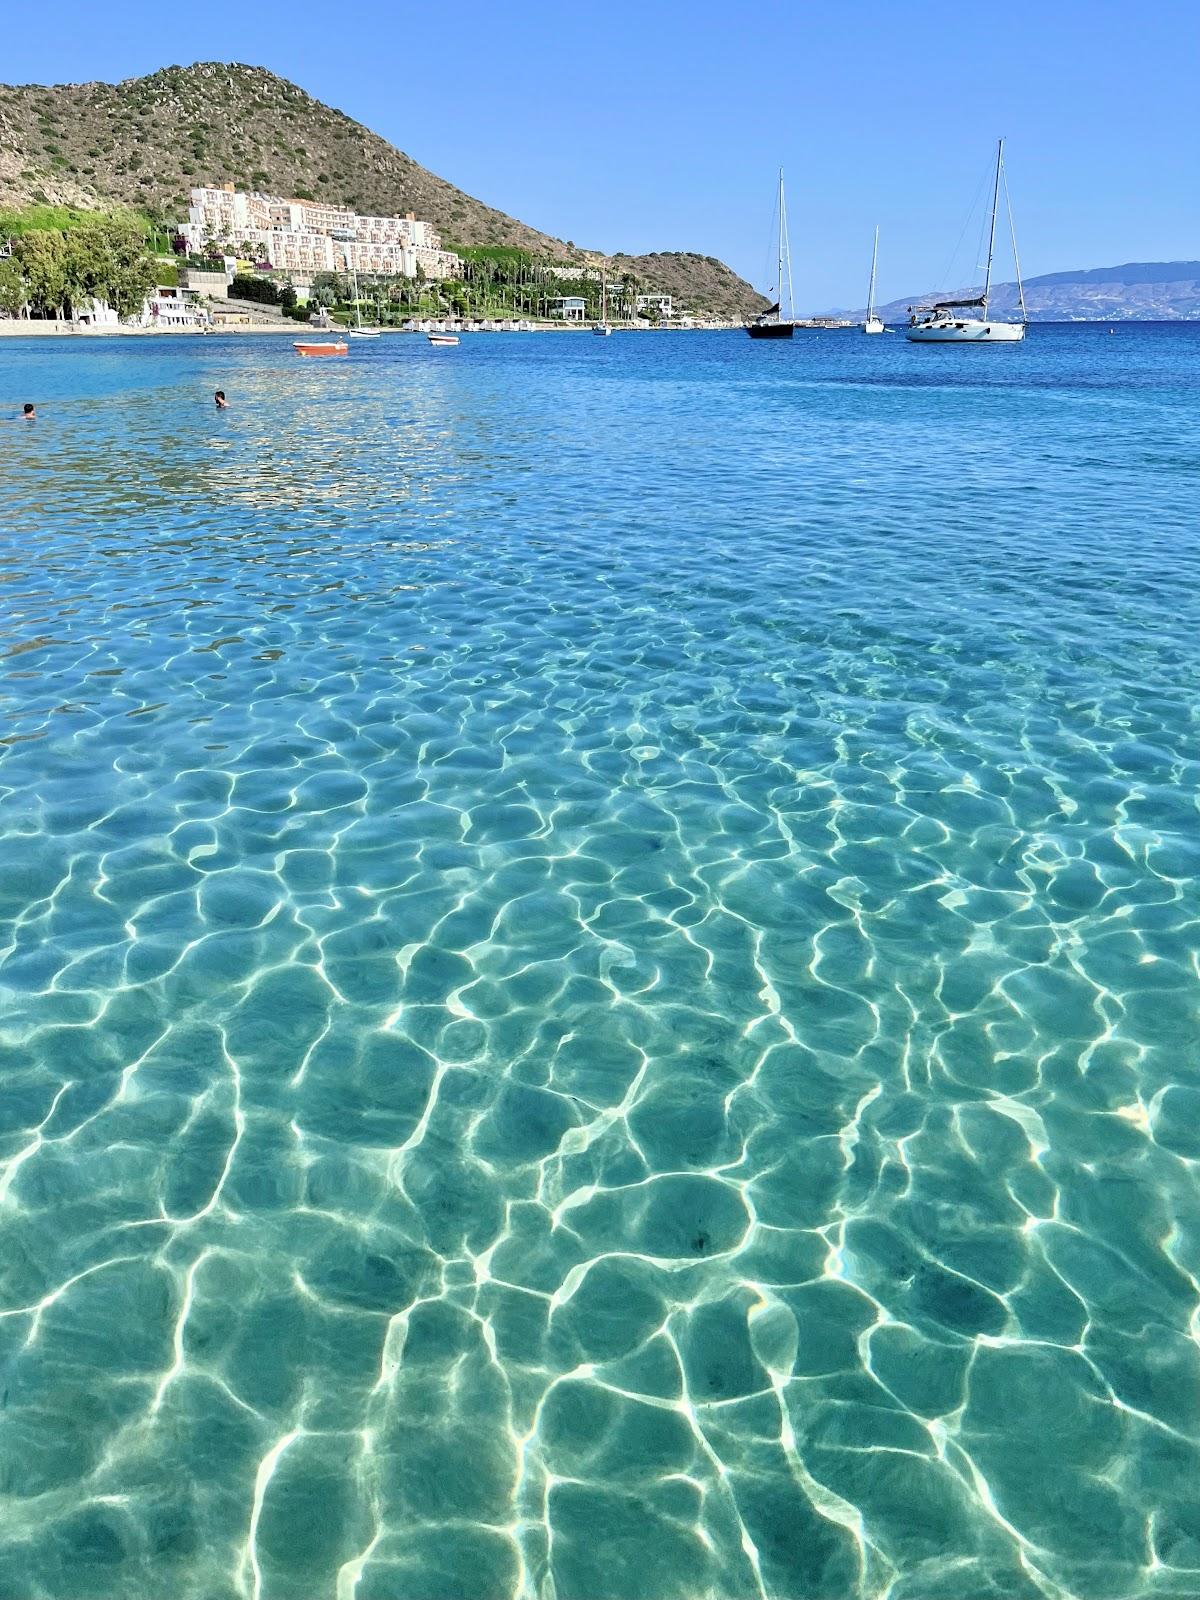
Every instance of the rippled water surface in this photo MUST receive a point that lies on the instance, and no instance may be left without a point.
(599, 947)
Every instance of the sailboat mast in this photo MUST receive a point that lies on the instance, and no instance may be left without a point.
(785, 259)
(871, 291)
(780, 264)
(987, 282)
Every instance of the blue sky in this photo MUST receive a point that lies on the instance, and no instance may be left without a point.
(660, 126)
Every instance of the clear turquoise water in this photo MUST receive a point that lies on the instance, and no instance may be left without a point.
(600, 953)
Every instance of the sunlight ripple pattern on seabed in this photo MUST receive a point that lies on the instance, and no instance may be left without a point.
(599, 972)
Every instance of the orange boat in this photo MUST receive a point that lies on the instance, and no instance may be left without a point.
(320, 347)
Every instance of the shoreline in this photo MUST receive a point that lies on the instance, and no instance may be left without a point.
(19, 328)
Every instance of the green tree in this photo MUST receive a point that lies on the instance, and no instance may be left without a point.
(12, 288)
(105, 257)
(41, 259)
(329, 289)
(110, 261)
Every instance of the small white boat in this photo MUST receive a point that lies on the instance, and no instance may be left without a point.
(442, 338)
(358, 331)
(320, 347)
(602, 327)
(943, 322)
(873, 324)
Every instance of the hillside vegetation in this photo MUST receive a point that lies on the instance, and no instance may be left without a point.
(146, 141)
(693, 280)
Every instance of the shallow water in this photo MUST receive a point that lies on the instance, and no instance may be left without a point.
(600, 970)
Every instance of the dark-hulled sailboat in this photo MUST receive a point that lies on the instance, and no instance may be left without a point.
(771, 323)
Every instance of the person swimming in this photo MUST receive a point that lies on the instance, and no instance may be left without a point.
(29, 410)
(219, 400)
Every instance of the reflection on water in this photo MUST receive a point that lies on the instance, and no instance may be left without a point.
(599, 953)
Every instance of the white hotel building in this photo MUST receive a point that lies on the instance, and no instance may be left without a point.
(304, 237)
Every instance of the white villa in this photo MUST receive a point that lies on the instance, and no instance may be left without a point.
(570, 307)
(174, 308)
(303, 236)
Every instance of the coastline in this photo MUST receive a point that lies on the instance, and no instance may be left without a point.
(19, 328)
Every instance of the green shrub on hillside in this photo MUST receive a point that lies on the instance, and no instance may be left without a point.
(248, 286)
(42, 219)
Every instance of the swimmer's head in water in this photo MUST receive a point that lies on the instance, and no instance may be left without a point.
(28, 409)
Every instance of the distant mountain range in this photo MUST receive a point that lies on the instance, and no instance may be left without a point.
(1140, 291)
(145, 142)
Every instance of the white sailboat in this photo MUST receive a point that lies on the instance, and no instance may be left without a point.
(358, 331)
(602, 327)
(873, 324)
(944, 322)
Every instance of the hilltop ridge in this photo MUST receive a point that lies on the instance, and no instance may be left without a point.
(1138, 291)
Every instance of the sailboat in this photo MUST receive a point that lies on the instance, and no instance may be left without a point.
(771, 324)
(602, 327)
(873, 324)
(943, 322)
(358, 331)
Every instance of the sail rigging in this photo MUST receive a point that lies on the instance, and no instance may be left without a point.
(1012, 229)
(785, 251)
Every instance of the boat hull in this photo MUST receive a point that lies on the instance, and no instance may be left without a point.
(967, 331)
(303, 348)
(442, 338)
(873, 325)
(770, 330)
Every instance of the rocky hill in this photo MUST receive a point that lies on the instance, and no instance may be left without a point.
(146, 141)
(1139, 291)
(693, 281)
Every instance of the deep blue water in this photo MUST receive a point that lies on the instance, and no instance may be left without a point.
(599, 947)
